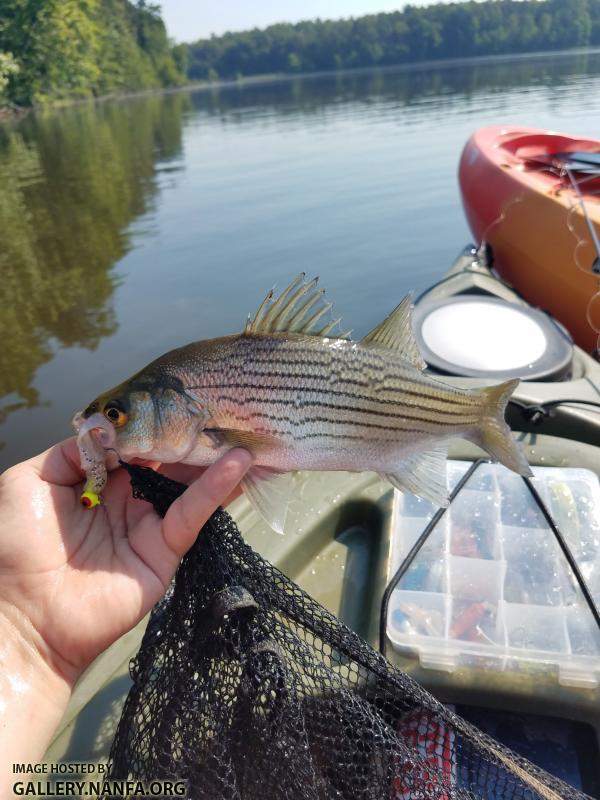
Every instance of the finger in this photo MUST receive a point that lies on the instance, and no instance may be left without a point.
(184, 473)
(59, 464)
(189, 512)
(187, 473)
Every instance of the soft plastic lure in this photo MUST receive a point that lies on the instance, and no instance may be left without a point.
(94, 435)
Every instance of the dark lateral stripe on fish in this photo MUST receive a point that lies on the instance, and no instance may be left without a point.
(294, 423)
(350, 366)
(304, 375)
(400, 417)
(318, 358)
(435, 418)
(341, 435)
(317, 355)
(465, 415)
(457, 417)
(347, 436)
(349, 375)
(312, 420)
(339, 393)
(368, 358)
(357, 423)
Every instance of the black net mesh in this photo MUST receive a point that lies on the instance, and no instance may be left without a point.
(245, 687)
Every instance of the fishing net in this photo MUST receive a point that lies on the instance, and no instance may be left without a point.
(245, 687)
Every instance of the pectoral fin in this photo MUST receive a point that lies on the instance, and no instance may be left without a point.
(269, 493)
(423, 475)
(252, 441)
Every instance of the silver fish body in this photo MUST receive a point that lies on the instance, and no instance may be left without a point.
(326, 404)
(298, 398)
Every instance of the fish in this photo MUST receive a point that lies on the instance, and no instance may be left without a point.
(299, 395)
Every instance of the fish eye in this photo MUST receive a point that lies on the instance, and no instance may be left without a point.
(114, 412)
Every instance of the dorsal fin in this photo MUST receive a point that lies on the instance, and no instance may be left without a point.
(396, 333)
(299, 309)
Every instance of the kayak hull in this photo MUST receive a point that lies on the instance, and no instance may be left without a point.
(531, 218)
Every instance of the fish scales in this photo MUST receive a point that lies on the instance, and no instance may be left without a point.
(298, 398)
(360, 366)
(328, 391)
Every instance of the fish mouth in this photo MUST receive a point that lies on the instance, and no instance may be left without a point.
(81, 416)
(96, 425)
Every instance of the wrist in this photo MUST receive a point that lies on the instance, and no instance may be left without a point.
(33, 697)
(33, 649)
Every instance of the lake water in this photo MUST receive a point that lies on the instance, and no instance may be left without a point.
(130, 227)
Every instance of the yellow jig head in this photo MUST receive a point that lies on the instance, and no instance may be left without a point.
(93, 434)
(90, 499)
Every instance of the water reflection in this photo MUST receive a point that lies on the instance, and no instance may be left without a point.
(130, 227)
(405, 86)
(70, 184)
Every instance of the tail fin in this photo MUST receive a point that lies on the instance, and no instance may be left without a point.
(493, 434)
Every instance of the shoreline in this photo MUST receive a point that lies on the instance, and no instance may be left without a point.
(9, 113)
(402, 67)
(12, 113)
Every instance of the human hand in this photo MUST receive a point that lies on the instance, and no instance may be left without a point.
(72, 580)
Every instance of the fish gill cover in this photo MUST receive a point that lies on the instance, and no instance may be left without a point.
(245, 687)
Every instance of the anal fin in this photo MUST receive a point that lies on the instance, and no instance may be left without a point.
(269, 493)
(424, 475)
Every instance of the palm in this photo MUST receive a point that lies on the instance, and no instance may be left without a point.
(82, 578)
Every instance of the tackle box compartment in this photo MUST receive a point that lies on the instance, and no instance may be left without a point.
(491, 587)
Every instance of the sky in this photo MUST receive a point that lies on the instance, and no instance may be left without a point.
(188, 20)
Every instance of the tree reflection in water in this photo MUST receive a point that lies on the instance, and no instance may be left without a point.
(71, 182)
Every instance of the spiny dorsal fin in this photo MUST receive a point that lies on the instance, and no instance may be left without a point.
(396, 333)
(299, 309)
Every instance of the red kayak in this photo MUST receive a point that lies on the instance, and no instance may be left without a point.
(534, 197)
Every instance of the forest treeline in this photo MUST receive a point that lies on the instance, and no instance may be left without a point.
(443, 30)
(52, 50)
(65, 49)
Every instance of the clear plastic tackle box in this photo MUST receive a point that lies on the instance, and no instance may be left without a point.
(491, 587)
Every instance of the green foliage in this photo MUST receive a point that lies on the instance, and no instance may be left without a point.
(76, 48)
(294, 62)
(418, 33)
(181, 58)
(8, 67)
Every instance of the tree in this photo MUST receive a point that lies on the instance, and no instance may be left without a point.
(443, 30)
(8, 68)
(294, 64)
(74, 48)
